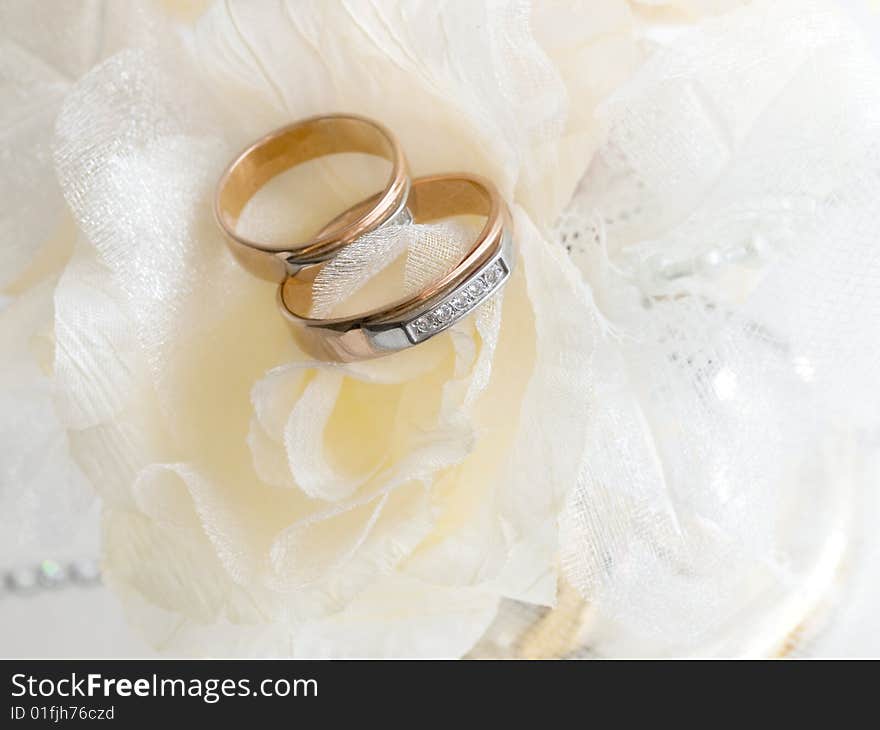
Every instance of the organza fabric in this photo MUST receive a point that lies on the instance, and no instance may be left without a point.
(656, 442)
(729, 237)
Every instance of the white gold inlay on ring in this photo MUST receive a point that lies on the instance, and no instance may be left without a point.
(461, 302)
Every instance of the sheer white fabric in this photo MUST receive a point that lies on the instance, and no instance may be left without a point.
(728, 229)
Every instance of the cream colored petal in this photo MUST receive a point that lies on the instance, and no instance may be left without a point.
(96, 351)
(344, 432)
(304, 443)
(557, 399)
(557, 404)
(344, 552)
(172, 569)
(498, 509)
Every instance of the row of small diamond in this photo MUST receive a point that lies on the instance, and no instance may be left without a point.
(461, 301)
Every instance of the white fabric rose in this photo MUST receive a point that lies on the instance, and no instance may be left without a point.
(260, 503)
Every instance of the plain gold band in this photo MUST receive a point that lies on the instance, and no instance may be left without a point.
(295, 144)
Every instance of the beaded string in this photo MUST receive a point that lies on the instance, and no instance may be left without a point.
(49, 575)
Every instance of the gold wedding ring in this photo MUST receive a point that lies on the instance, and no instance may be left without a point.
(293, 145)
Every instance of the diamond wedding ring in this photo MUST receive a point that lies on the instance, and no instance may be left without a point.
(412, 320)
